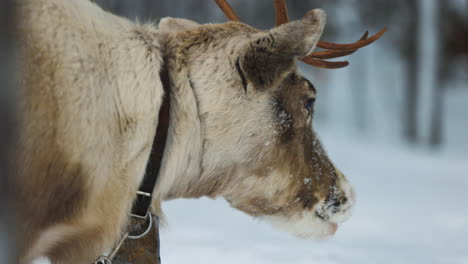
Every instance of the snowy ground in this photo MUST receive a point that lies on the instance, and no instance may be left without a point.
(411, 209)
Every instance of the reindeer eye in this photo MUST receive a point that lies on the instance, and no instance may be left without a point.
(309, 104)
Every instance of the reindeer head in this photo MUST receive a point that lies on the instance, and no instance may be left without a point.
(259, 148)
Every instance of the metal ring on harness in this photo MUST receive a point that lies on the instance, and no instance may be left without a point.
(148, 214)
(108, 259)
(103, 260)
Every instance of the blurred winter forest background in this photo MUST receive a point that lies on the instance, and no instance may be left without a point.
(395, 121)
(7, 81)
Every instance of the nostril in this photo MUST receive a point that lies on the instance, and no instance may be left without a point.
(345, 200)
(337, 203)
(321, 215)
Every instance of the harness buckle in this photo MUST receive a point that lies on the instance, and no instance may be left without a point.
(140, 209)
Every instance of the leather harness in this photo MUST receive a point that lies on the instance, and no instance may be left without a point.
(145, 192)
(138, 246)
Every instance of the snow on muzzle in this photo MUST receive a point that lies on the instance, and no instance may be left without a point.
(323, 220)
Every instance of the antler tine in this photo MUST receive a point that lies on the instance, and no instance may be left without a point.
(324, 64)
(314, 59)
(281, 11)
(351, 46)
(227, 10)
(331, 54)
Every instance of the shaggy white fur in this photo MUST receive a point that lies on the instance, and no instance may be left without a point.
(41, 260)
(305, 225)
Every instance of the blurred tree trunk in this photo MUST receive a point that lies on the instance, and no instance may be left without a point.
(430, 85)
(436, 124)
(360, 94)
(410, 112)
(436, 135)
(7, 73)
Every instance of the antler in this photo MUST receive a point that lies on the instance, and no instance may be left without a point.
(227, 10)
(315, 58)
(331, 54)
(281, 12)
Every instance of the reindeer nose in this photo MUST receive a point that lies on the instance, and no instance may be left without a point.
(349, 191)
(338, 206)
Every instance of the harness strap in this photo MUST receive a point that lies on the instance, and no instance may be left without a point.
(135, 246)
(145, 192)
(144, 244)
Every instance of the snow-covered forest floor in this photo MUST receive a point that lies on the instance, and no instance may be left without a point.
(412, 208)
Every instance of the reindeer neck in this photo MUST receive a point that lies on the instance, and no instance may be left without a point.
(183, 155)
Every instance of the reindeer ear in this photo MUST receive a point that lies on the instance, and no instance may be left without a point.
(269, 56)
(170, 24)
(298, 38)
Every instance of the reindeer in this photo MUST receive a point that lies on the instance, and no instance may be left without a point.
(240, 123)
